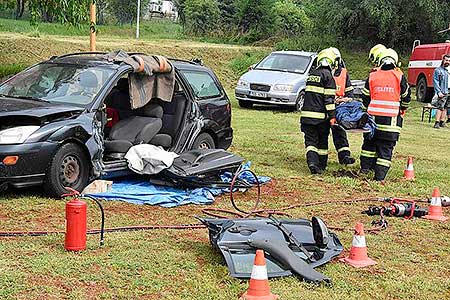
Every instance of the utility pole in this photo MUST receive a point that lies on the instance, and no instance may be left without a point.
(92, 26)
(137, 18)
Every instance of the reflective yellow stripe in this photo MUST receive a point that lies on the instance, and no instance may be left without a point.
(350, 88)
(384, 162)
(389, 128)
(312, 148)
(330, 106)
(405, 104)
(366, 92)
(368, 153)
(323, 151)
(314, 89)
(330, 92)
(343, 149)
(405, 93)
(312, 114)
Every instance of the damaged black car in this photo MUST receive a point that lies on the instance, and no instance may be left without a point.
(69, 120)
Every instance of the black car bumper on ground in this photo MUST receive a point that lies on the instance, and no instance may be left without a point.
(31, 165)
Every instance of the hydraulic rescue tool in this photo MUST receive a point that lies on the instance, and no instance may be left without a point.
(397, 208)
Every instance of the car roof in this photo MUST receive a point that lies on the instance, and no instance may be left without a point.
(188, 65)
(300, 53)
(97, 58)
(84, 58)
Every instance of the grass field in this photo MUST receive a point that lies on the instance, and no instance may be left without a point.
(412, 255)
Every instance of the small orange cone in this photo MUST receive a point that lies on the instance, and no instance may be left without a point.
(259, 284)
(358, 253)
(409, 171)
(435, 209)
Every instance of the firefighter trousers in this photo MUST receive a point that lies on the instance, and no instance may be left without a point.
(340, 143)
(376, 155)
(316, 144)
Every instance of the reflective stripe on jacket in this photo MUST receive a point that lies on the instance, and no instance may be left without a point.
(385, 93)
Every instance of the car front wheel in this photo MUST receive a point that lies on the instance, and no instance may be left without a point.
(300, 101)
(68, 168)
(204, 141)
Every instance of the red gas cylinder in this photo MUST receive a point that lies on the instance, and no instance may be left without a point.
(75, 225)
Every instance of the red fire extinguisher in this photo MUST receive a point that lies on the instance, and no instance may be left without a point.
(76, 222)
(75, 225)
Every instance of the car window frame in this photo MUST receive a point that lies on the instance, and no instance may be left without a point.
(211, 75)
(106, 89)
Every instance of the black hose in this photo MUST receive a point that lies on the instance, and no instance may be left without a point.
(102, 227)
(258, 197)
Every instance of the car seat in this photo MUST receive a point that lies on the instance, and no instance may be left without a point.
(138, 129)
(171, 120)
(119, 99)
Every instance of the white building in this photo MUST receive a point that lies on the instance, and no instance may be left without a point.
(162, 9)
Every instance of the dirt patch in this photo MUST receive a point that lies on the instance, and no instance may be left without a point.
(345, 173)
(92, 289)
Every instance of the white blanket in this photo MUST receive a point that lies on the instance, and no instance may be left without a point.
(149, 159)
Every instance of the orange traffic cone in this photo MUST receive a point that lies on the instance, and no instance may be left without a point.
(409, 171)
(358, 253)
(435, 209)
(259, 284)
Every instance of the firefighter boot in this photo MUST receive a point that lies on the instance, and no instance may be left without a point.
(314, 169)
(348, 160)
(323, 161)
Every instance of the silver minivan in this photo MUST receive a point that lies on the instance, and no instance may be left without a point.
(278, 79)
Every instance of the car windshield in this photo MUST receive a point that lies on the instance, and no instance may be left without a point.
(285, 63)
(57, 82)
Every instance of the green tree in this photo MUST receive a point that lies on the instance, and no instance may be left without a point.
(396, 23)
(62, 11)
(255, 18)
(228, 11)
(180, 4)
(201, 16)
(125, 10)
(291, 19)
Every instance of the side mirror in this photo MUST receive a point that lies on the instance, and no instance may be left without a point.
(251, 67)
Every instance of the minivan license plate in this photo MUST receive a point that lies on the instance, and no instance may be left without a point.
(258, 94)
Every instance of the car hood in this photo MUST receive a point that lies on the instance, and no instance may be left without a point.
(32, 108)
(272, 77)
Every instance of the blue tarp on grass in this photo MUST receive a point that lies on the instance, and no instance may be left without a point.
(140, 191)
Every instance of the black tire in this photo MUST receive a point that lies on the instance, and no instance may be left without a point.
(423, 93)
(68, 168)
(245, 104)
(299, 103)
(204, 141)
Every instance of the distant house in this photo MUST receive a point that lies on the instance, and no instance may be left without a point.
(161, 9)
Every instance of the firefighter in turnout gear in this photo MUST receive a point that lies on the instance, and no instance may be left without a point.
(318, 112)
(386, 96)
(344, 90)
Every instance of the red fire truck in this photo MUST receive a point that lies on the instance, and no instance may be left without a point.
(424, 59)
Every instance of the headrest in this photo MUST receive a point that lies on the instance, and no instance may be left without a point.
(152, 110)
(88, 79)
(122, 84)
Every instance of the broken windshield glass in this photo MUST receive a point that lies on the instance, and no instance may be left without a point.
(66, 83)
